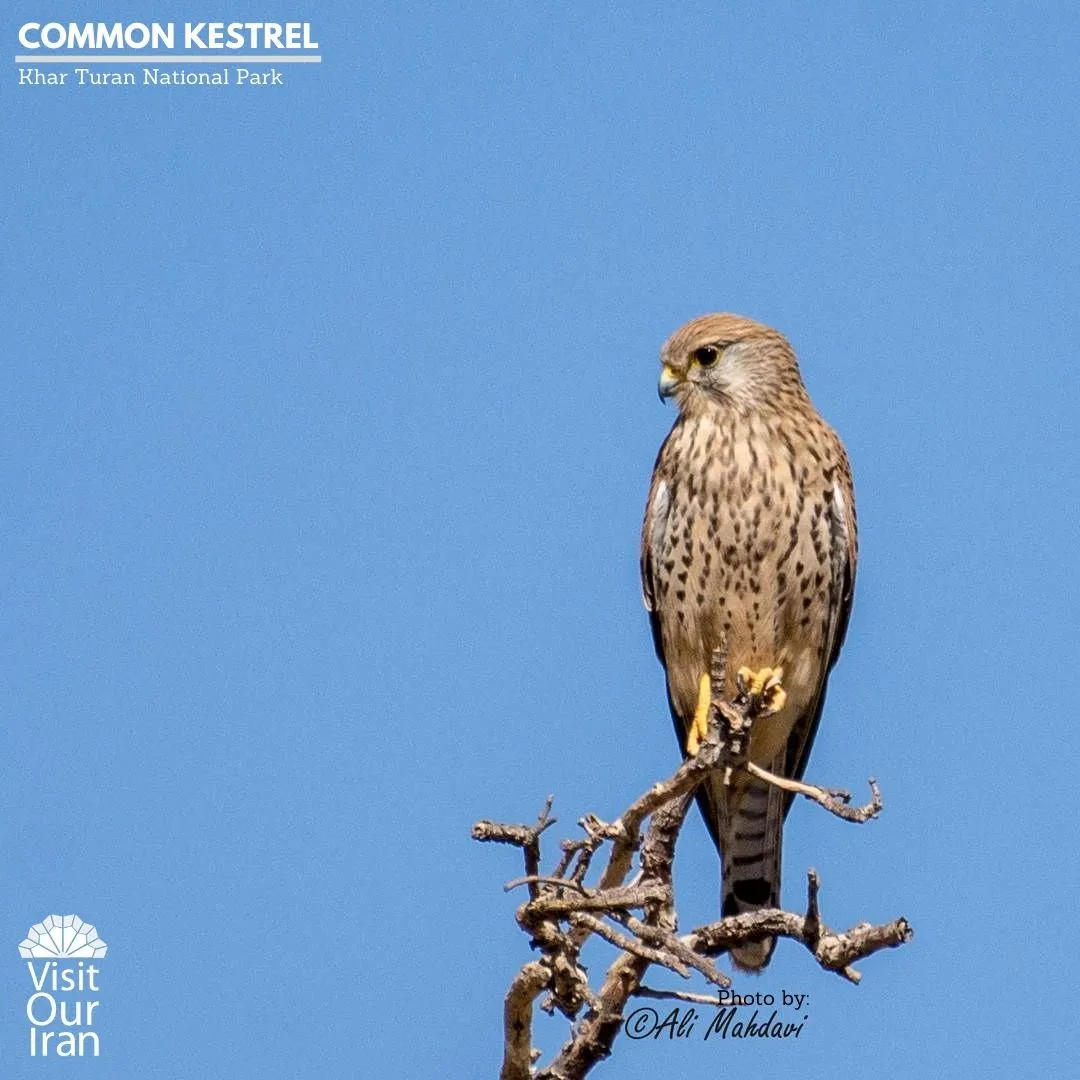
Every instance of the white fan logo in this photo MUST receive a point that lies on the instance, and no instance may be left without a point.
(61, 936)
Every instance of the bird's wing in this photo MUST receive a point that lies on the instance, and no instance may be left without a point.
(652, 542)
(844, 549)
(653, 537)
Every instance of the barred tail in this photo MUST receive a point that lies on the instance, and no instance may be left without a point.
(750, 847)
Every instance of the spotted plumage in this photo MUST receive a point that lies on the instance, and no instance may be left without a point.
(749, 541)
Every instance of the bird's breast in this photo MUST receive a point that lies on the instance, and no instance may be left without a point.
(737, 562)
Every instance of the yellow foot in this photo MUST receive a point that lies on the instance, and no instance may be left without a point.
(763, 689)
(699, 727)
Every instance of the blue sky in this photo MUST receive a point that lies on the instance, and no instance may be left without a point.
(330, 410)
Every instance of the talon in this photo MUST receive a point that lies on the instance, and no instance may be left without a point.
(763, 689)
(699, 726)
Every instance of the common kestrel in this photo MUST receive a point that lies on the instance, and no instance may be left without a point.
(749, 541)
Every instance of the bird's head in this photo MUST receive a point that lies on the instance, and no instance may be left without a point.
(728, 360)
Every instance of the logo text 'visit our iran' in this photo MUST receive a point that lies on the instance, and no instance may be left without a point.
(139, 35)
(60, 1026)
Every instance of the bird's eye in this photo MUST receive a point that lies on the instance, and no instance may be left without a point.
(707, 355)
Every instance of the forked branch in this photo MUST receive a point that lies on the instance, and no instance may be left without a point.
(639, 919)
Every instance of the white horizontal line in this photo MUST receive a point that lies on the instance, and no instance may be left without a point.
(154, 58)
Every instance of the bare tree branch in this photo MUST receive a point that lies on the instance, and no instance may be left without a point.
(679, 995)
(833, 951)
(562, 911)
(517, 1020)
(834, 800)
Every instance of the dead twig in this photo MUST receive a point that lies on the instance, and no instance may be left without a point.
(834, 800)
(833, 951)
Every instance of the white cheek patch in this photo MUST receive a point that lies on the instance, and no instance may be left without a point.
(734, 373)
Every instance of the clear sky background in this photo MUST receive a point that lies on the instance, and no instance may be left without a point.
(328, 417)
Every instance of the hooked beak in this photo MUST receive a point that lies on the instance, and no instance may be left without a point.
(668, 382)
